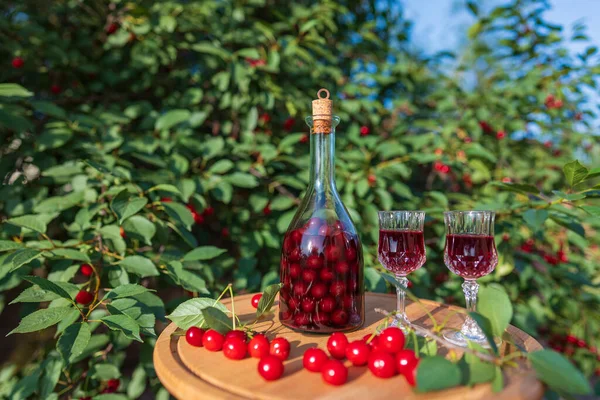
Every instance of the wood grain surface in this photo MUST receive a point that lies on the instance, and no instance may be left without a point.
(195, 373)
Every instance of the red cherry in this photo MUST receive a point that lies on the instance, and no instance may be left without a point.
(506, 237)
(358, 352)
(336, 345)
(285, 315)
(300, 289)
(256, 299)
(548, 144)
(84, 297)
(236, 334)
(213, 340)
(289, 124)
(405, 361)
(265, 117)
(18, 62)
(391, 339)
(485, 127)
(166, 200)
(318, 290)
(468, 140)
(500, 135)
(295, 255)
(562, 256)
(314, 261)
(324, 230)
(327, 304)
(208, 211)
(56, 89)
(225, 232)
(296, 236)
(351, 254)
(235, 349)
(332, 253)
(258, 346)
(112, 385)
(293, 304)
(302, 319)
(111, 28)
(321, 318)
(280, 348)
(364, 130)
(339, 317)
(122, 232)
(372, 179)
(334, 372)
(309, 275)
(348, 302)
(304, 138)
(267, 210)
(295, 270)
(307, 305)
(373, 343)
(581, 343)
(571, 339)
(194, 336)
(86, 270)
(326, 275)
(337, 289)
(314, 224)
(382, 364)
(270, 368)
(314, 359)
(411, 374)
(342, 267)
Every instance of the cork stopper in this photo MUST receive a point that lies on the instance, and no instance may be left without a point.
(322, 112)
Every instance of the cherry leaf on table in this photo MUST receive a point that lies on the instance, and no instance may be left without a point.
(189, 313)
(217, 320)
(437, 373)
(267, 299)
(486, 327)
(494, 304)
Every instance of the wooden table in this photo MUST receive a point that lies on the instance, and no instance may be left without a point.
(195, 373)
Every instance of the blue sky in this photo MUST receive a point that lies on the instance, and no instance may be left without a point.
(434, 19)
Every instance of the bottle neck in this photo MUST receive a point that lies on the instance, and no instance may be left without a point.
(322, 154)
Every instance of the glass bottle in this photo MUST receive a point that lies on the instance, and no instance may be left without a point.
(321, 260)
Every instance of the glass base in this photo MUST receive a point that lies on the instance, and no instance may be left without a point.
(460, 339)
(398, 322)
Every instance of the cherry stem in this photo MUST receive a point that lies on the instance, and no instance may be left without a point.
(233, 316)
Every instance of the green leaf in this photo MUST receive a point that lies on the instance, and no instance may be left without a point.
(35, 294)
(203, 253)
(574, 172)
(189, 313)
(48, 285)
(475, 371)
(267, 299)
(242, 180)
(14, 90)
(32, 222)
(105, 371)
(180, 214)
(437, 373)
(535, 218)
(558, 372)
(494, 304)
(217, 319)
(73, 341)
(138, 227)
(6, 245)
(498, 381)
(137, 309)
(163, 187)
(41, 319)
(48, 108)
(592, 210)
(125, 206)
(486, 328)
(221, 166)
(281, 203)
(517, 187)
(128, 290)
(111, 396)
(24, 256)
(124, 324)
(52, 370)
(137, 385)
(139, 265)
(187, 279)
(171, 118)
(71, 254)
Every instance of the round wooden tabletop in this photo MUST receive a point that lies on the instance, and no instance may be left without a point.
(194, 373)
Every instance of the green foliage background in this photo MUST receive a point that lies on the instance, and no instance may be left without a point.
(119, 105)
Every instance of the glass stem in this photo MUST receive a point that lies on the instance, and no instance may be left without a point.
(401, 297)
(470, 328)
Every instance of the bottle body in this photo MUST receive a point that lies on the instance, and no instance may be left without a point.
(321, 260)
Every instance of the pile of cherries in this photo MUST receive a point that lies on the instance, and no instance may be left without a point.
(322, 278)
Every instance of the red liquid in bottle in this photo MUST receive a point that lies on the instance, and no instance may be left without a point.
(470, 256)
(322, 278)
(401, 252)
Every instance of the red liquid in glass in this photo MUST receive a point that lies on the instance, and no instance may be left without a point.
(470, 256)
(401, 252)
(322, 278)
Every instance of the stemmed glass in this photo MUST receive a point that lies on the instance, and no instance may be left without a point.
(470, 253)
(401, 251)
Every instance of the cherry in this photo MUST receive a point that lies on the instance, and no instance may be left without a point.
(318, 290)
(327, 304)
(374, 342)
(208, 211)
(255, 300)
(309, 275)
(236, 334)
(411, 374)
(122, 232)
(166, 200)
(213, 340)
(571, 339)
(295, 255)
(296, 235)
(56, 89)
(500, 135)
(258, 346)
(225, 232)
(314, 224)
(337, 289)
(405, 361)
(382, 364)
(300, 289)
(391, 339)
(285, 315)
(358, 352)
(581, 343)
(112, 385)
(267, 210)
(324, 230)
(468, 140)
(321, 318)
(84, 297)
(302, 319)
(326, 274)
(304, 138)
(86, 270)
(342, 267)
(280, 348)
(332, 253)
(364, 130)
(372, 179)
(307, 305)
(340, 317)
(18, 62)
(111, 28)
(348, 302)
(289, 124)
(293, 304)
(235, 349)
(270, 368)
(334, 372)
(194, 336)
(350, 254)
(314, 359)
(295, 270)
(336, 345)
(314, 261)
